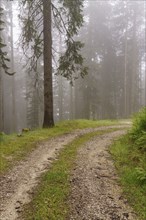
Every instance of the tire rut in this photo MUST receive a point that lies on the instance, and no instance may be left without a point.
(96, 194)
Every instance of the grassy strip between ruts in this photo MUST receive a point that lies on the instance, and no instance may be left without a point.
(14, 148)
(127, 158)
(50, 198)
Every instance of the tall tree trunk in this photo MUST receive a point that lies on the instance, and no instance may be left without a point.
(125, 74)
(145, 53)
(13, 126)
(1, 96)
(71, 108)
(60, 85)
(48, 92)
(60, 97)
(145, 86)
(135, 73)
(1, 103)
(145, 82)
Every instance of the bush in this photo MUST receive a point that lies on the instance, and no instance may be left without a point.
(2, 136)
(139, 125)
(138, 131)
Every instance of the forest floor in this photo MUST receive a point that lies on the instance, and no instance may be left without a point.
(95, 192)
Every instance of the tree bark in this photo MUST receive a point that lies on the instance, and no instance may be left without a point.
(14, 121)
(1, 103)
(125, 74)
(145, 55)
(60, 97)
(1, 98)
(48, 91)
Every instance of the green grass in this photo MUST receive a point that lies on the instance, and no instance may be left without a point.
(14, 148)
(50, 199)
(131, 165)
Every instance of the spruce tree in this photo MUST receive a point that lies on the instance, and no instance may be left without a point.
(38, 17)
(3, 55)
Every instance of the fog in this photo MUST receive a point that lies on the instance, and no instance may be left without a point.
(114, 37)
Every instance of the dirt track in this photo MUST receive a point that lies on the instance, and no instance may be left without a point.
(18, 184)
(96, 194)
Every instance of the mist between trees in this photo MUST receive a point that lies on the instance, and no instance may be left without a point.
(114, 37)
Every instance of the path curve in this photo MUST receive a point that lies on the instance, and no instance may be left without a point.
(18, 184)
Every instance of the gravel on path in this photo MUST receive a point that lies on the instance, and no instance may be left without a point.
(18, 184)
(96, 194)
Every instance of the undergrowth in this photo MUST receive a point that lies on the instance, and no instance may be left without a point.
(14, 147)
(138, 132)
(129, 154)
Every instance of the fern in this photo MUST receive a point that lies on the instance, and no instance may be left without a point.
(141, 142)
(141, 175)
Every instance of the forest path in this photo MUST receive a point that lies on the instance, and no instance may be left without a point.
(18, 184)
(96, 194)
